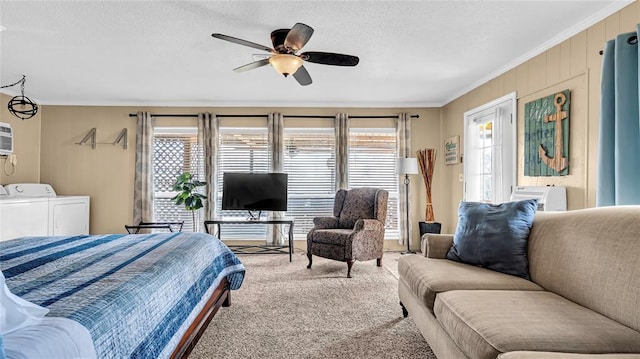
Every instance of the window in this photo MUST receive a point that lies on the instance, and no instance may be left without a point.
(310, 161)
(175, 150)
(490, 151)
(372, 160)
(242, 149)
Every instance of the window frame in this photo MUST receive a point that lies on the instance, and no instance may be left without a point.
(180, 213)
(304, 222)
(239, 232)
(504, 148)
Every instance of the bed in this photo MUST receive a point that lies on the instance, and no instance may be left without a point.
(134, 295)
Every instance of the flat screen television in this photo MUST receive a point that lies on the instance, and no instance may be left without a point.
(254, 191)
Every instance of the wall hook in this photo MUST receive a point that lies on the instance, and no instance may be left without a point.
(91, 135)
(122, 137)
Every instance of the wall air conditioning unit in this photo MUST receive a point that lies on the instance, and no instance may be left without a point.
(550, 198)
(6, 139)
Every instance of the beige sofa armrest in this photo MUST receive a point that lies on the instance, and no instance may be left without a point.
(436, 245)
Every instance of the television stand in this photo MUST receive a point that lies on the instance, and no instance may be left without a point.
(255, 249)
(253, 216)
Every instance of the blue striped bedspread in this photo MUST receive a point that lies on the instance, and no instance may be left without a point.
(136, 294)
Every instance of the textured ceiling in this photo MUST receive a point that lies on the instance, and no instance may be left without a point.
(412, 53)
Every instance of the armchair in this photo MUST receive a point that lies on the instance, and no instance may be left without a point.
(356, 230)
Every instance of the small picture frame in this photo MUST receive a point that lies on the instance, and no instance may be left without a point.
(452, 150)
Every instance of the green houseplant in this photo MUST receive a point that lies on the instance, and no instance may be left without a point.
(187, 186)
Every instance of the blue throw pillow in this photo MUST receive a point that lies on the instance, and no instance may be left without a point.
(494, 236)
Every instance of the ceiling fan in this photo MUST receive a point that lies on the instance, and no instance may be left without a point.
(286, 44)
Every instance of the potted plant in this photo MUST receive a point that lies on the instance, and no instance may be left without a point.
(187, 186)
(426, 160)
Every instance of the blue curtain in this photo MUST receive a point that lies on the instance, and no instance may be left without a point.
(618, 180)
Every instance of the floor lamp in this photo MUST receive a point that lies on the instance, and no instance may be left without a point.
(407, 166)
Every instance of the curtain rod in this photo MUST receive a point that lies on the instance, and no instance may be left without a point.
(632, 40)
(286, 116)
(357, 116)
(194, 115)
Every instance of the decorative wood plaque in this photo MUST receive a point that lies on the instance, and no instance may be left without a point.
(546, 136)
(451, 150)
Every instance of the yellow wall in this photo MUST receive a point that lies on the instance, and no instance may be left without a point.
(575, 64)
(107, 173)
(26, 137)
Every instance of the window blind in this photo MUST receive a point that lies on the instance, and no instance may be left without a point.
(310, 162)
(372, 158)
(241, 149)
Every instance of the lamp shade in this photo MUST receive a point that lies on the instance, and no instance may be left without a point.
(407, 166)
(285, 64)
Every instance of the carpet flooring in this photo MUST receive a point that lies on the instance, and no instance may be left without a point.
(284, 310)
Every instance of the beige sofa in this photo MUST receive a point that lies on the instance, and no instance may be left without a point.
(583, 297)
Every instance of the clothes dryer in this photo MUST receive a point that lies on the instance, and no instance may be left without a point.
(68, 215)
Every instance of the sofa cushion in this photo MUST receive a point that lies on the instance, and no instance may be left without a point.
(549, 355)
(331, 236)
(591, 257)
(429, 276)
(486, 323)
(494, 235)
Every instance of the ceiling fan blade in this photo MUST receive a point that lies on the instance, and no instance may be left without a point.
(252, 65)
(302, 76)
(235, 40)
(329, 58)
(298, 36)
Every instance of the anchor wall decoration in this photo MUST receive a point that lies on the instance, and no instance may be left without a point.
(547, 136)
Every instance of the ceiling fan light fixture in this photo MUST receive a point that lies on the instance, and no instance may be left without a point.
(285, 64)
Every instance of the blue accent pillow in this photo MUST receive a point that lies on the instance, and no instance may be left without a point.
(494, 236)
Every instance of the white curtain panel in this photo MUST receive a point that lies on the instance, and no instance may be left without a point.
(208, 133)
(143, 185)
(403, 140)
(341, 124)
(275, 125)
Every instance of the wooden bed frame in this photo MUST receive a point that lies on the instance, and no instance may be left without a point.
(220, 298)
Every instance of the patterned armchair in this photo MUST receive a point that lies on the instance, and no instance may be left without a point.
(356, 230)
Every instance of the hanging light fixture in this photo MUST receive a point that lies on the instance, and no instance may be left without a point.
(21, 106)
(285, 64)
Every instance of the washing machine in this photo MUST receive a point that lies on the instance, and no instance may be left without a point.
(23, 216)
(65, 215)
